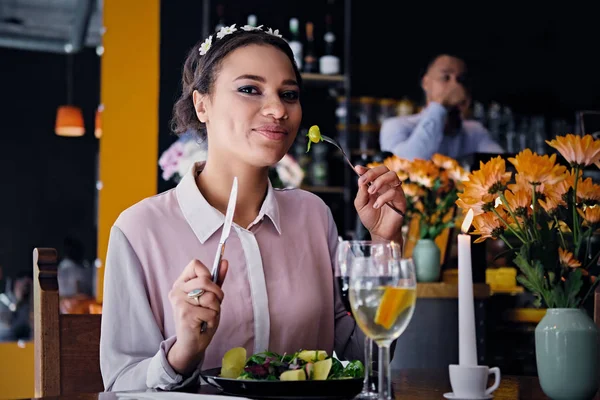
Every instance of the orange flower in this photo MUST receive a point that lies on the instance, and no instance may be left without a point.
(537, 169)
(443, 161)
(519, 201)
(567, 259)
(395, 163)
(412, 190)
(470, 203)
(591, 215)
(487, 225)
(490, 179)
(587, 191)
(577, 150)
(458, 174)
(521, 183)
(423, 172)
(374, 164)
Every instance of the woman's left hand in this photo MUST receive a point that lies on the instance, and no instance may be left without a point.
(381, 221)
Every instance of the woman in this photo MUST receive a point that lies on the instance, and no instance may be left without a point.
(241, 92)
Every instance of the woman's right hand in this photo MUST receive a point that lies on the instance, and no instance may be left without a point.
(190, 313)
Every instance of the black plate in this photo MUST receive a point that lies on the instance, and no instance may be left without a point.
(334, 389)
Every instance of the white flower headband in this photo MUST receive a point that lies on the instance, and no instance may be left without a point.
(226, 30)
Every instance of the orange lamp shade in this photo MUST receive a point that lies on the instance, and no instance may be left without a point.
(98, 129)
(69, 122)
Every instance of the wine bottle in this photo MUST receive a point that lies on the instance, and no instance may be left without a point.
(295, 43)
(252, 20)
(329, 63)
(310, 58)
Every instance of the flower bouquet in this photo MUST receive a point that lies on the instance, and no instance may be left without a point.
(547, 215)
(431, 188)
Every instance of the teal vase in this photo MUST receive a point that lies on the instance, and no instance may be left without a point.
(566, 349)
(426, 256)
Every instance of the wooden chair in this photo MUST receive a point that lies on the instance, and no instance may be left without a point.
(66, 346)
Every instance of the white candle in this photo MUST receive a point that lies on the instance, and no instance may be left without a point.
(467, 340)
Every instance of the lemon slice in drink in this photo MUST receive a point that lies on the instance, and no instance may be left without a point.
(393, 302)
(233, 363)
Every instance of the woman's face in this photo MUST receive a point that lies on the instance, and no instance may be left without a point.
(254, 111)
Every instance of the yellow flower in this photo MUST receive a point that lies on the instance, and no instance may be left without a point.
(443, 161)
(537, 169)
(519, 201)
(567, 259)
(487, 225)
(412, 190)
(587, 191)
(423, 172)
(395, 163)
(374, 164)
(591, 215)
(491, 178)
(577, 150)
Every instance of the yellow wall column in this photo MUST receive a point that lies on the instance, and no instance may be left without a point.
(129, 92)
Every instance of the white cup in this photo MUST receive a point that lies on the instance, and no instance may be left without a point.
(469, 382)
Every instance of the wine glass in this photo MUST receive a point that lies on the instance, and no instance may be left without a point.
(382, 291)
(345, 258)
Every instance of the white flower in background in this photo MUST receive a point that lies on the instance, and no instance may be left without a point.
(289, 171)
(249, 28)
(192, 152)
(205, 45)
(226, 30)
(274, 33)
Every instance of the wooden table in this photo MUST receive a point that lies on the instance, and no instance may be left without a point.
(409, 385)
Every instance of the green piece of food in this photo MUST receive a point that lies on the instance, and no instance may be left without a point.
(354, 369)
(314, 136)
(321, 370)
(293, 375)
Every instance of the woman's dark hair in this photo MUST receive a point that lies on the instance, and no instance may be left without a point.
(200, 73)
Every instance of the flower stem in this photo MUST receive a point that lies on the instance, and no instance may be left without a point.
(512, 214)
(506, 241)
(534, 200)
(508, 226)
(562, 238)
(575, 216)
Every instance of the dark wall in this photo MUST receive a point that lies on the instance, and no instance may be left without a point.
(48, 182)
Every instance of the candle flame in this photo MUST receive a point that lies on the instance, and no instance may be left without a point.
(467, 222)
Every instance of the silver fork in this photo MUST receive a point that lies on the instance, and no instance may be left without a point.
(333, 142)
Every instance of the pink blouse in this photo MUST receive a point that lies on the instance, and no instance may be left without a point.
(280, 290)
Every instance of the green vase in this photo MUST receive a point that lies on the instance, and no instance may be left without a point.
(426, 255)
(566, 349)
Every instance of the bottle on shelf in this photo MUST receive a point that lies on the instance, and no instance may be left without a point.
(221, 17)
(295, 43)
(252, 20)
(310, 57)
(329, 64)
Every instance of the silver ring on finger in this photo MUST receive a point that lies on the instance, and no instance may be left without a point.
(196, 294)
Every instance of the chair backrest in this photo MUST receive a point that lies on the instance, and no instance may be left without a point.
(67, 346)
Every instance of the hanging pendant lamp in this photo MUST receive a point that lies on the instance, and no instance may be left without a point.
(69, 118)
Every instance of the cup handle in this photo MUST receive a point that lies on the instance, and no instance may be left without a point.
(496, 372)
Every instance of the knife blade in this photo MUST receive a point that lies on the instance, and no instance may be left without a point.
(224, 235)
(226, 230)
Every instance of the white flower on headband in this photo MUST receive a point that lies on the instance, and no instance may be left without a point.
(249, 28)
(205, 45)
(274, 33)
(226, 30)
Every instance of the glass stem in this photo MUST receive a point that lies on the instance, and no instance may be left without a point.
(385, 382)
(368, 364)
